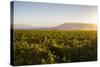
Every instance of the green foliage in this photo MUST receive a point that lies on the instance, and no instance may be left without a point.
(46, 47)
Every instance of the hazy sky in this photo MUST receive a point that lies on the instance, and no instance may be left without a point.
(46, 14)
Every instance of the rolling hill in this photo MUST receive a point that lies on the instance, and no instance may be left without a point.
(65, 26)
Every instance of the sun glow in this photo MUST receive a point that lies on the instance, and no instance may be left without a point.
(94, 21)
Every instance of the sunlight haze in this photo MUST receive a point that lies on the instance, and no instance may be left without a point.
(48, 15)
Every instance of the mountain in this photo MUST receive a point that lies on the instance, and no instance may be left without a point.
(75, 26)
(65, 26)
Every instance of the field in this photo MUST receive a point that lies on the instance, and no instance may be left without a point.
(50, 47)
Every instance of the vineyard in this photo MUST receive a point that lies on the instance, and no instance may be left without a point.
(50, 47)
